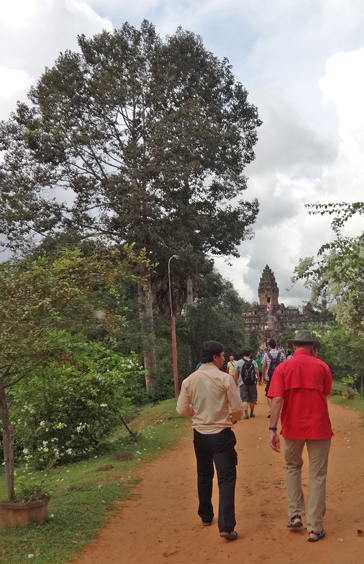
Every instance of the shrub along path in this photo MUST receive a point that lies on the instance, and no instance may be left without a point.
(160, 525)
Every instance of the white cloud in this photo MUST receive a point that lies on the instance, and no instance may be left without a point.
(13, 81)
(84, 10)
(32, 33)
(344, 85)
(19, 15)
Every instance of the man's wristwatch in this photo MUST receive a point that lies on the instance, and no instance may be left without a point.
(272, 428)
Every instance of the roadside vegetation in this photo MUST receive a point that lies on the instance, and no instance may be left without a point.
(83, 497)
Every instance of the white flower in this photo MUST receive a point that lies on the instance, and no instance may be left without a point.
(103, 404)
(25, 451)
(30, 555)
(41, 424)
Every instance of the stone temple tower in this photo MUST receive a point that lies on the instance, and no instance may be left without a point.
(268, 291)
(268, 318)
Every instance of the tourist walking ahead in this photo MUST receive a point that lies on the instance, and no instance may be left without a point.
(301, 384)
(247, 374)
(231, 366)
(207, 396)
(270, 361)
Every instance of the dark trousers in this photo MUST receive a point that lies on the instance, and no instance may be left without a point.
(219, 449)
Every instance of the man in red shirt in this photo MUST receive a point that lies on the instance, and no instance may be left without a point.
(301, 385)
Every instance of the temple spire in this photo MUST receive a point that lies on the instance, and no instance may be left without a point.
(268, 291)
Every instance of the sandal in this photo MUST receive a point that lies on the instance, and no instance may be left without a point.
(295, 522)
(319, 536)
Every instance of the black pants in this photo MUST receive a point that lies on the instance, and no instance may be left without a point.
(219, 449)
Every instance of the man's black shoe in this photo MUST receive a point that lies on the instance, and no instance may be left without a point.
(229, 536)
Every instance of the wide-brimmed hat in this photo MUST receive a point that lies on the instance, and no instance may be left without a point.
(303, 336)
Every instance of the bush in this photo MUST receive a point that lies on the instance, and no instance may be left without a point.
(336, 388)
(64, 415)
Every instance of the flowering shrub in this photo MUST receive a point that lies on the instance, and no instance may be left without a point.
(66, 414)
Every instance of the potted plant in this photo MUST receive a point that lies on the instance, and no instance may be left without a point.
(30, 503)
(348, 391)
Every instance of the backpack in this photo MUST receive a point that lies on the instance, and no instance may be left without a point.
(273, 364)
(248, 374)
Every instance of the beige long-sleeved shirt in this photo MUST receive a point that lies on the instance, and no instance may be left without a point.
(209, 396)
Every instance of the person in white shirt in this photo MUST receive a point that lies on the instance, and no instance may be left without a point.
(211, 398)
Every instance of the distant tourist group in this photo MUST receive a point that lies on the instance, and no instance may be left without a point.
(297, 387)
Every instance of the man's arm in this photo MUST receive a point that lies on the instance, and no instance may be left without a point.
(264, 370)
(236, 377)
(275, 410)
(235, 402)
(327, 382)
(184, 406)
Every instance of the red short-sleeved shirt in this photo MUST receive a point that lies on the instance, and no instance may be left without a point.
(303, 382)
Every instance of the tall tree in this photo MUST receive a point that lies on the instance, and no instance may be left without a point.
(141, 139)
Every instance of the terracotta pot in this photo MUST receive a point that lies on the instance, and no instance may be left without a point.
(14, 513)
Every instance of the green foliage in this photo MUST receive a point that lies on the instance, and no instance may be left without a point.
(83, 499)
(348, 383)
(339, 272)
(216, 314)
(29, 491)
(161, 175)
(43, 303)
(340, 349)
(41, 297)
(67, 411)
(151, 137)
(168, 175)
(336, 388)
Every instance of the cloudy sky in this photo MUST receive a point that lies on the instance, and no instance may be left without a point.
(302, 62)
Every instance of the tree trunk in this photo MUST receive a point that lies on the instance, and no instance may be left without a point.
(189, 292)
(147, 330)
(8, 444)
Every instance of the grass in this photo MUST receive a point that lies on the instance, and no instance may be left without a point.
(357, 404)
(83, 498)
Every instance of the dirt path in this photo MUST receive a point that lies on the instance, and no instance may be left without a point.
(161, 526)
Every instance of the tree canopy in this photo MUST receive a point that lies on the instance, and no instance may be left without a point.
(150, 138)
(137, 138)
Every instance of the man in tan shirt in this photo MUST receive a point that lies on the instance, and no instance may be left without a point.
(210, 397)
(231, 367)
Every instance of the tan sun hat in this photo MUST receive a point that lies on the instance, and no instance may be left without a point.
(303, 336)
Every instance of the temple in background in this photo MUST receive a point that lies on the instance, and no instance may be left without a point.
(269, 318)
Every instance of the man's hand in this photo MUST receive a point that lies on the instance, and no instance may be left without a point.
(233, 420)
(275, 443)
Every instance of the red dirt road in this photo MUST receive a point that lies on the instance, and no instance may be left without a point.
(161, 526)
